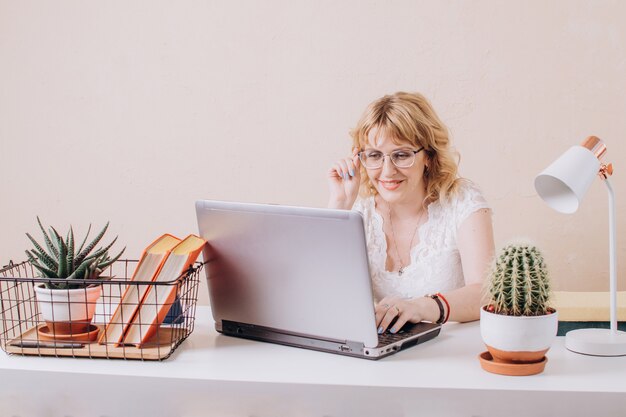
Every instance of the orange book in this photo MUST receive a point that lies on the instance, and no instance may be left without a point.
(159, 298)
(150, 263)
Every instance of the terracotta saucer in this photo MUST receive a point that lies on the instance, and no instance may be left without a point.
(45, 334)
(511, 369)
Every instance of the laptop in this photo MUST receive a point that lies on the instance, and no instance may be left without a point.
(296, 276)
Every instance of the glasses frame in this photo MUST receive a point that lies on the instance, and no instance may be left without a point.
(385, 155)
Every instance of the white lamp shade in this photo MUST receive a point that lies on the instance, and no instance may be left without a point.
(565, 182)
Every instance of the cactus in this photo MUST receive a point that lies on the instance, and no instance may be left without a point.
(519, 284)
(60, 259)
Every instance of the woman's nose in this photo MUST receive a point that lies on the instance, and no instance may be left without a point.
(388, 165)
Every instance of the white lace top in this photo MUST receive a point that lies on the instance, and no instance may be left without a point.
(435, 260)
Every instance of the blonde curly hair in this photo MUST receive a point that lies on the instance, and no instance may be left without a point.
(409, 117)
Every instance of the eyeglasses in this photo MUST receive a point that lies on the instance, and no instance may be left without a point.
(401, 158)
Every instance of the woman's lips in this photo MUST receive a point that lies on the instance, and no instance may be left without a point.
(390, 184)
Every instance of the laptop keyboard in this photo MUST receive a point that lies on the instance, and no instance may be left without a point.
(407, 330)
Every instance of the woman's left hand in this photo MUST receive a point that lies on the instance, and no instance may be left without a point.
(403, 310)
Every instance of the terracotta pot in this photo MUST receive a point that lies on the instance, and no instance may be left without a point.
(518, 339)
(67, 312)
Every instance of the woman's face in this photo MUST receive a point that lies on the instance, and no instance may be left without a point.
(396, 185)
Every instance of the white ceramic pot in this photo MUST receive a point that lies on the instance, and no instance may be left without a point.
(518, 338)
(61, 307)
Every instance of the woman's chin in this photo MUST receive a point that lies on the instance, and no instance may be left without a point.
(389, 195)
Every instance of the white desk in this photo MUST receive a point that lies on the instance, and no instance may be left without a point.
(215, 375)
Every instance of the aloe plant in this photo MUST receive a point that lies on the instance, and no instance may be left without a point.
(61, 259)
(519, 284)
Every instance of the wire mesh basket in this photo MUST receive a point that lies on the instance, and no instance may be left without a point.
(24, 331)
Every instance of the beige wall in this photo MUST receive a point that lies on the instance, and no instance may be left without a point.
(130, 111)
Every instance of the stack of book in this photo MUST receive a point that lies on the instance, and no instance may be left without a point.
(143, 307)
(583, 310)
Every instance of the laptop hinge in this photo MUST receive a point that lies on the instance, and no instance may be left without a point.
(268, 334)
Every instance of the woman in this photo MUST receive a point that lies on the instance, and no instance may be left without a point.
(429, 232)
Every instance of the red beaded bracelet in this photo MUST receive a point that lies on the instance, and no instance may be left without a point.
(440, 295)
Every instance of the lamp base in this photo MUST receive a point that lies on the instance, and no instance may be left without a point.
(597, 342)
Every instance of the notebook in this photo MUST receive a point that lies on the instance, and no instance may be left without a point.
(296, 276)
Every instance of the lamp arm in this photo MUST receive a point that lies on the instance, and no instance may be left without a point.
(612, 257)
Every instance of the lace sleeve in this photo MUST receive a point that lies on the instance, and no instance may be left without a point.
(365, 206)
(470, 200)
(359, 205)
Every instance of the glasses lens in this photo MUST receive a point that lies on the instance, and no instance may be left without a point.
(371, 159)
(403, 159)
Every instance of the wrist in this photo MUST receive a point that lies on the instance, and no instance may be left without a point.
(430, 309)
(340, 204)
(441, 308)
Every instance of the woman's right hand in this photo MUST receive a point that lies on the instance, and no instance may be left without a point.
(344, 180)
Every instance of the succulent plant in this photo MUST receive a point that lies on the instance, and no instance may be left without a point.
(519, 284)
(63, 260)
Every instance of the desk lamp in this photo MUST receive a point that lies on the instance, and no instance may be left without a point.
(563, 186)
